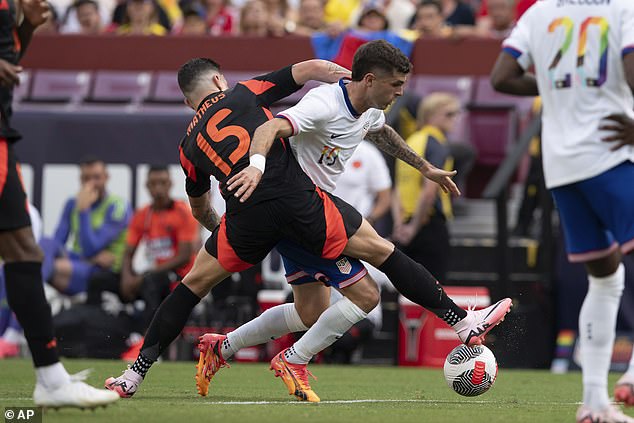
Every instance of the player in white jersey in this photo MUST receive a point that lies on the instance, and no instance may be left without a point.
(327, 125)
(583, 54)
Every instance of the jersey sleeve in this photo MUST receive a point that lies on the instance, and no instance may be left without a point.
(379, 120)
(273, 86)
(311, 113)
(518, 43)
(627, 27)
(196, 182)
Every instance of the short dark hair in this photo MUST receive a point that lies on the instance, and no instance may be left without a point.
(157, 168)
(190, 72)
(433, 3)
(79, 3)
(379, 55)
(90, 160)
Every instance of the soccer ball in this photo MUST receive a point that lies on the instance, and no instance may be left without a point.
(470, 371)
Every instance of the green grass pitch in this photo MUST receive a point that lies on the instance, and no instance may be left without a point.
(250, 393)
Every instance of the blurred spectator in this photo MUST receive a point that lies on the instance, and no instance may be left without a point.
(120, 15)
(70, 21)
(484, 20)
(95, 224)
(420, 210)
(373, 19)
(219, 17)
(399, 13)
(193, 23)
(88, 16)
(254, 19)
(456, 12)
(310, 18)
(282, 17)
(141, 18)
(52, 24)
(499, 23)
(429, 21)
(341, 12)
(172, 10)
(171, 238)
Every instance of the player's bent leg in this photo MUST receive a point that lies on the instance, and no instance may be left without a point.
(311, 300)
(54, 387)
(364, 294)
(414, 282)
(169, 320)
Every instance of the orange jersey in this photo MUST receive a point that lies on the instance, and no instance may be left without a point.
(162, 231)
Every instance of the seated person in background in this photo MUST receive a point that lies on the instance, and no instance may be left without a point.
(83, 17)
(95, 224)
(141, 18)
(310, 18)
(498, 24)
(171, 235)
(420, 211)
(429, 21)
(457, 12)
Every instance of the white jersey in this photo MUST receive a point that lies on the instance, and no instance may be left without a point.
(577, 47)
(327, 130)
(366, 174)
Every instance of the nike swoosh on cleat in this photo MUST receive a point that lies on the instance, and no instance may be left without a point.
(333, 136)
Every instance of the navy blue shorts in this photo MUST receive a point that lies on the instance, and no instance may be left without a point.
(597, 214)
(303, 267)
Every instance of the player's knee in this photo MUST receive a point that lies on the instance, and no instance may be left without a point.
(309, 315)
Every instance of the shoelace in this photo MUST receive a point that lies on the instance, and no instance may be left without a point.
(302, 373)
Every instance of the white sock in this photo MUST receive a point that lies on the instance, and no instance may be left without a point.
(330, 326)
(597, 326)
(273, 323)
(52, 376)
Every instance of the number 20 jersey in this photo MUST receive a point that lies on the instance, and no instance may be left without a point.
(577, 47)
(219, 136)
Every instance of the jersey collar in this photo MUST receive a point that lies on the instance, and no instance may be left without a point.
(346, 98)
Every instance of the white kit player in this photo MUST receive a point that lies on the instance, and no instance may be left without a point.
(326, 128)
(583, 54)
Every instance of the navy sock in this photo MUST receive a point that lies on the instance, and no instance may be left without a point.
(168, 322)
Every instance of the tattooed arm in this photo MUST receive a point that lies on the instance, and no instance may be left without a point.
(203, 212)
(389, 141)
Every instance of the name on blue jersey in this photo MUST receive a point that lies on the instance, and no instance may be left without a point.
(561, 3)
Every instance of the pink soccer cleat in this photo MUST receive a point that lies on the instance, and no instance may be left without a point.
(624, 390)
(125, 385)
(472, 329)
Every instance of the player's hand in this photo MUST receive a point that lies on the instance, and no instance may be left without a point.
(245, 182)
(623, 128)
(442, 178)
(86, 197)
(35, 11)
(9, 74)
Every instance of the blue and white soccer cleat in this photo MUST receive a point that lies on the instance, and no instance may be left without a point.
(75, 393)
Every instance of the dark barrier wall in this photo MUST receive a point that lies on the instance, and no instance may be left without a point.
(432, 57)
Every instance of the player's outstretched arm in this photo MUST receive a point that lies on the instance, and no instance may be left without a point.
(203, 212)
(508, 77)
(244, 183)
(319, 70)
(388, 140)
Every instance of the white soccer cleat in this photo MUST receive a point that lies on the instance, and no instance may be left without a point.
(611, 414)
(75, 394)
(125, 385)
(472, 329)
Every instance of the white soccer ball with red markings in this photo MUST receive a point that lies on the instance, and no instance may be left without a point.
(470, 371)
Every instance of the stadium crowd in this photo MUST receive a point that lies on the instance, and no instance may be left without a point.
(408, 19)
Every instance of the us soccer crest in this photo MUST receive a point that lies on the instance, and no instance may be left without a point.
(344, 266)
